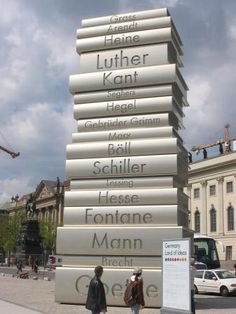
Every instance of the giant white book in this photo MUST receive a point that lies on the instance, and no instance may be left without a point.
(125, 134)
(134, 16)
(168, 196)
(130, 106)
(158, 215)
(131, 57)
(125, 183)
(133, 122)
(130, 26)
(133, 166)
(131, 93)
(134, 77)
(140, 38)
(137, 147)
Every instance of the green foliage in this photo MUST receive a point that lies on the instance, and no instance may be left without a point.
(8, 235)
(3, 227)
(48, 231)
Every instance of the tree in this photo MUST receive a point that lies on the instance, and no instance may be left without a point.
(48, 230)
(3, 228)
(11, 232)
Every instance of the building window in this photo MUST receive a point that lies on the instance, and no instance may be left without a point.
(197, 221)
(229, 187)
(228, 253)
(213, 220)
(230, 214)
(212, 190)
(196, 193)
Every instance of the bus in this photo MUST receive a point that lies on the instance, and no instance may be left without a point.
(205, 251)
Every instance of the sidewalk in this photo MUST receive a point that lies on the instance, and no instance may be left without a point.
(38, 297)
(10, 308)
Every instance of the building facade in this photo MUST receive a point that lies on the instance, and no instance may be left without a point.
(212, 201)
(49, 201)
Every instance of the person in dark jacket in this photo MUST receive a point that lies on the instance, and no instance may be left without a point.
(137, 291)
(96, 300)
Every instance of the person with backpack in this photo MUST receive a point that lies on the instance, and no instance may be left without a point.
(133, 296)
(96, 299)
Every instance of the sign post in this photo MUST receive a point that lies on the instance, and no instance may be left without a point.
(176, 277)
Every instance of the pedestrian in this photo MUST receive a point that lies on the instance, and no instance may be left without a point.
(137, 291)
(31, 262)
(192, 271)
(36, 265)
(235, 268)
(19, 266)
(96, 299)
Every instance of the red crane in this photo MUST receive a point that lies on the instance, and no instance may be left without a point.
(8, 151)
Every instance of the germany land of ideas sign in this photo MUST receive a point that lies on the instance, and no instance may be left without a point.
(126, 163)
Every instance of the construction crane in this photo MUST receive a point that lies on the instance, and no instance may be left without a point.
(8, 151)
(222, 149)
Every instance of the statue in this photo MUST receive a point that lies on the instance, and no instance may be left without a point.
(31, 206)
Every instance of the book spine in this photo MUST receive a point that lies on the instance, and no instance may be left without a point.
(125, 134)
(112, 41)
(121, 183)
(125, 215)
(125, 94)
(121, 261)
(133, 166)
(140, 25)
(119, 108)
(113, 19)
(160, 74)
(104, 240)
(126, 122)
(134, 57)
(170, 196)
(123, 148)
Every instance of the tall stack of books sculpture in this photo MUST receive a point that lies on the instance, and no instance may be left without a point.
(126, 163)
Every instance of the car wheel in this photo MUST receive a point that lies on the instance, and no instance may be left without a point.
(195, 290)
(224, 292)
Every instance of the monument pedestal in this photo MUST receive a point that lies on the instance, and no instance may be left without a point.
(29, 241)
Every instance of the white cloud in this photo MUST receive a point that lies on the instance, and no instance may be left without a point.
(165, 3)
(37, 55)
(11, 187)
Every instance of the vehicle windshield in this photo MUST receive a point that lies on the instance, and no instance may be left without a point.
(206, 252)
(224, 274)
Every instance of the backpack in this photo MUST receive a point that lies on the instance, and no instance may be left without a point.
(128, 295)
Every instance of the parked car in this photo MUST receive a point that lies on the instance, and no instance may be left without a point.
(199, 265)
(219, 281)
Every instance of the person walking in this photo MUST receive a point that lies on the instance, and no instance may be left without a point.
(19, 266)
(96, 299)
(137, 291)
(235, 268)
(36, 265)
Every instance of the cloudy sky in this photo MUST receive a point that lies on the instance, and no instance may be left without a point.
(37, 55)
